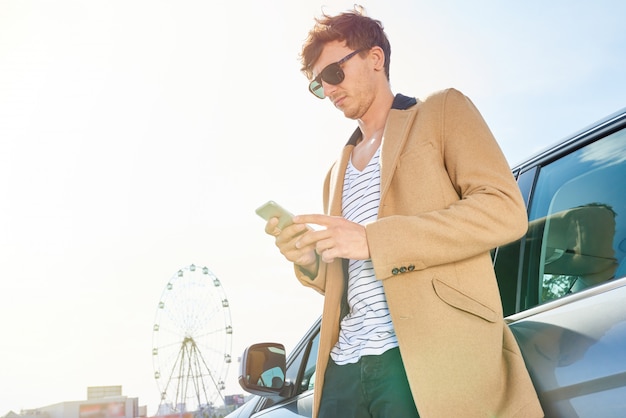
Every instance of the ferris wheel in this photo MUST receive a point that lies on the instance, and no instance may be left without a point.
(191, 340)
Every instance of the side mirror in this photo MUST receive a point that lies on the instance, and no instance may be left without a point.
(262, 369)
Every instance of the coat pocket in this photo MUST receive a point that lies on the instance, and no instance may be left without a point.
(460, 300)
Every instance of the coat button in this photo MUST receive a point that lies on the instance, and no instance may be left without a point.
(402, 269)
(395, 271)
(411, 267)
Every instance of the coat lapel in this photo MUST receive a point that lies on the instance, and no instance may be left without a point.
(396, 133)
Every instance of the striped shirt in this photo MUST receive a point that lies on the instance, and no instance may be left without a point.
(367, 329)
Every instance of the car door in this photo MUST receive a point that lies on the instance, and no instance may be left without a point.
(563, 284)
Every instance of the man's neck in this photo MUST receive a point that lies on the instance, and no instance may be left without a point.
(373, 122)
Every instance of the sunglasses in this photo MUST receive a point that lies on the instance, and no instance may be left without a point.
(331, 74)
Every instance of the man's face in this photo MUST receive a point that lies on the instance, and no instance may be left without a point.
(354, 94)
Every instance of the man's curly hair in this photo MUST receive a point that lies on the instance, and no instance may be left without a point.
(354, 27)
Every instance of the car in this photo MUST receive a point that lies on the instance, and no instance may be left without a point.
(562, 285)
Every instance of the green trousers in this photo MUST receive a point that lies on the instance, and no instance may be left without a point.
(374, 387)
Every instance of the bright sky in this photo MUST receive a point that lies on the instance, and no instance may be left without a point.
(138, 136)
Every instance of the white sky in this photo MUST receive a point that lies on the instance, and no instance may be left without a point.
(138, 137)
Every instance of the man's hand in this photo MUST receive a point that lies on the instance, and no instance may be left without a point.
(304, 255)
(340, 238)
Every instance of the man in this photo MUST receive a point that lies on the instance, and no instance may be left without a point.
(412, 319)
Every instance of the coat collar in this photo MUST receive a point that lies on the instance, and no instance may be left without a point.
(399, 102)
(398, 123)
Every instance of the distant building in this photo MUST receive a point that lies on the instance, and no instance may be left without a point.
(108, 402)
(102, 402)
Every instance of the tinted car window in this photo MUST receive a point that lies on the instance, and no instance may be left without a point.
(577, 227)
(577, 222)
(301, 369)
(308, 372)
(506, 258)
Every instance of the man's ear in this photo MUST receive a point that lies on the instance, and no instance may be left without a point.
(377, 55)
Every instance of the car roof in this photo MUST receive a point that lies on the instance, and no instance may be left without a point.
(600, 128)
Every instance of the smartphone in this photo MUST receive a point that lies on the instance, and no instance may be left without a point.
(272, 209)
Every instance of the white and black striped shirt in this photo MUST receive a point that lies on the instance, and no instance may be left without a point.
(367, 329)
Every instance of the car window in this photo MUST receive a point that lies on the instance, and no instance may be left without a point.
(506, 258)
(577, 222)
(300, 371)
(308, 372)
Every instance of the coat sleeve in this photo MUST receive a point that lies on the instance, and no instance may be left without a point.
(473, 202)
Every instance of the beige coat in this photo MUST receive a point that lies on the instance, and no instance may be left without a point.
(447, 198)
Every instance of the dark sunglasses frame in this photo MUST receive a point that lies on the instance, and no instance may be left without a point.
(331, 74)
